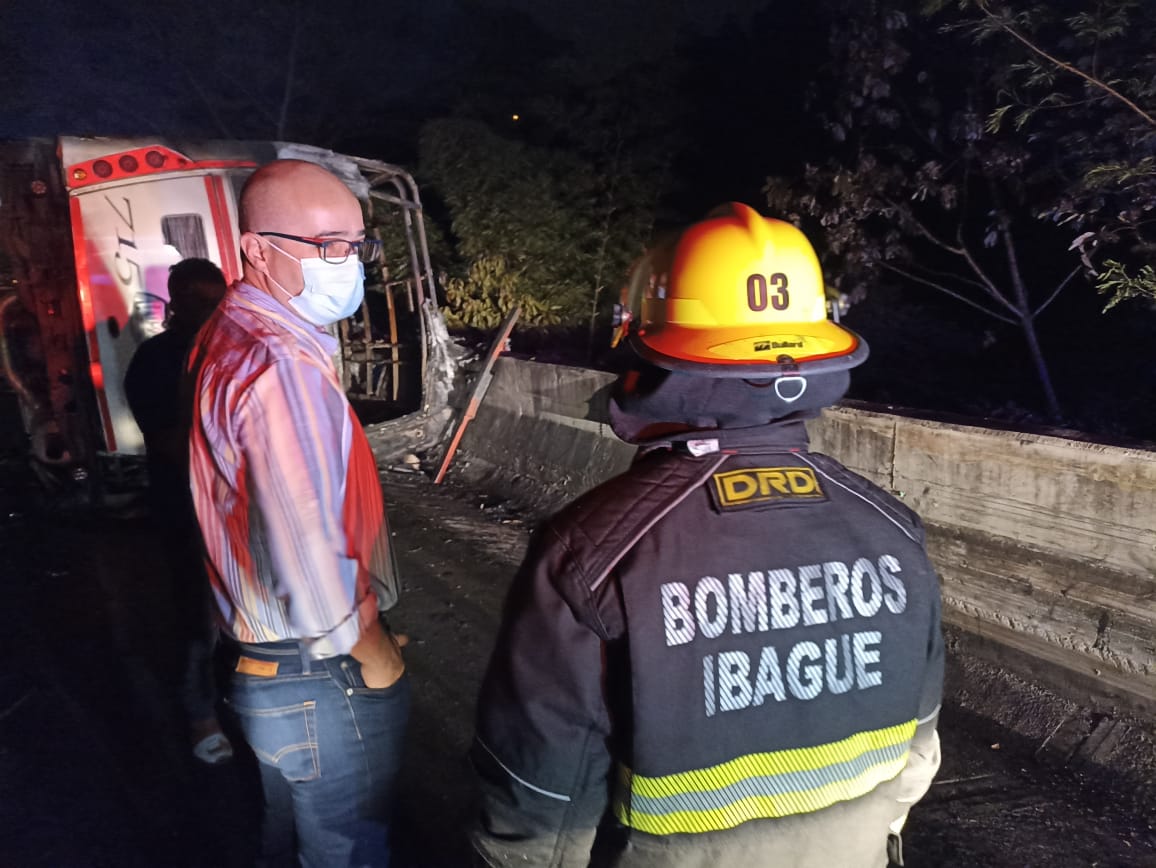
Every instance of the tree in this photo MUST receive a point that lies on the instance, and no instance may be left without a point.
(516, 217)
(1082, 77)
(627, 129)
(917, 189)
(549, 210)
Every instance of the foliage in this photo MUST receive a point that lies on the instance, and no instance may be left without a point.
(487, 293)
(1082, 79)
(626, 130)
(1121, 284)
(549, 211)
(916, 189)
(513, 204)
(388, 224)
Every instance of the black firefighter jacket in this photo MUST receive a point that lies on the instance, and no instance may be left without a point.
(725, 658)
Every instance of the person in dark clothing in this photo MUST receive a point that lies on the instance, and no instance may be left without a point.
(153, 385)
(731, 654)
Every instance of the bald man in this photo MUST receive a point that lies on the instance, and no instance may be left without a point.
(289, 504)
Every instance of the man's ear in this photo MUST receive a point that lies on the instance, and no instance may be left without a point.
(254, 251)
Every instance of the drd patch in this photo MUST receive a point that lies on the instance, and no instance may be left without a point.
(763, 486)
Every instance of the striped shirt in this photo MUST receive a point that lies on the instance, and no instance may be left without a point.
(284, 482)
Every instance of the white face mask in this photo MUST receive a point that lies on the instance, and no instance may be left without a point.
(332, 291)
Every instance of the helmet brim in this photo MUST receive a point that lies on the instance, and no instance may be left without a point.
(788, 348)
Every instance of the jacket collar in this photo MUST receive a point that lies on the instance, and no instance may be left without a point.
(783, 435)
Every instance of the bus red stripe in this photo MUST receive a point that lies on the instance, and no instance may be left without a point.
(88, 320)
(223, 225)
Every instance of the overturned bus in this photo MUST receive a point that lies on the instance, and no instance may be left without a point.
(88, 230)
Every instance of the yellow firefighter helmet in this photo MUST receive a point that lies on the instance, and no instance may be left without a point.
(736, 295)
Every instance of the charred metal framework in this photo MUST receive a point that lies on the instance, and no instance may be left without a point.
(88, 228)
(392, 194)
(42, 337)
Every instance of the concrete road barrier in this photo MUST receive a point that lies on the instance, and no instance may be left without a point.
(541, 433)
(1046, 545)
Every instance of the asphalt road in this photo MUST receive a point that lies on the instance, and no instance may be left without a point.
(93, 765)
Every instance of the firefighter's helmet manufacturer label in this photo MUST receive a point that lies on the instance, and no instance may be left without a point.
(760, 486)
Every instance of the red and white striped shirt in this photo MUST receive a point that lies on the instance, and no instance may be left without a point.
(284, 482)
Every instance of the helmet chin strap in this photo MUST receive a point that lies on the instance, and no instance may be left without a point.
(791, 380)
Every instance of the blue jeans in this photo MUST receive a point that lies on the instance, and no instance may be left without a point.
(329, 750)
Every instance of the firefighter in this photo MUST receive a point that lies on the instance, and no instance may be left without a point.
(731, 653)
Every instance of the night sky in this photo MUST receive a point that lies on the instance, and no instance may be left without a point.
(73, 66)
(363, 79)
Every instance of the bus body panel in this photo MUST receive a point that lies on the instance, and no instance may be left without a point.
(132, 232)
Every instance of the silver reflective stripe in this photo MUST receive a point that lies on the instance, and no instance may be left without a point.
(929, 717)
(559, 796)
(862, 497)
(783, 784)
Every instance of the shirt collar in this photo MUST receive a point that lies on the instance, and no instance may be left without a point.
(250, 296)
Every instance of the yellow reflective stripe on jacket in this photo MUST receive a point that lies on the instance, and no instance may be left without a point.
(763, 785)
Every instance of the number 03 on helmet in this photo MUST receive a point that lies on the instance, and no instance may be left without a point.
(736, 295)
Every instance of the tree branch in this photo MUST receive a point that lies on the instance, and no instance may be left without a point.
(253, 102)
(1023, 308)
(967, 280)
(1057, 291)
(287, 92)
(941, 288)
(923, 230)
(194, 83)
(992, 290)
(1067, 67)
(987, 283)
(1096, 46)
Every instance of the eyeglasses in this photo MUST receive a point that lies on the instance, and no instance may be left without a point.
(337, 250)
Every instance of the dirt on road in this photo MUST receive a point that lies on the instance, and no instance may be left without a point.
(94, 770)
(997, 801)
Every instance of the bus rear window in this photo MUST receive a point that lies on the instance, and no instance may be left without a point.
(186, 232)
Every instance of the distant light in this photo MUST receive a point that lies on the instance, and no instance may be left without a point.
(102, 168)
(515, 117)
(128, 163)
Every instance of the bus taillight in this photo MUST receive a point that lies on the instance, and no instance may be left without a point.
(141, 162)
